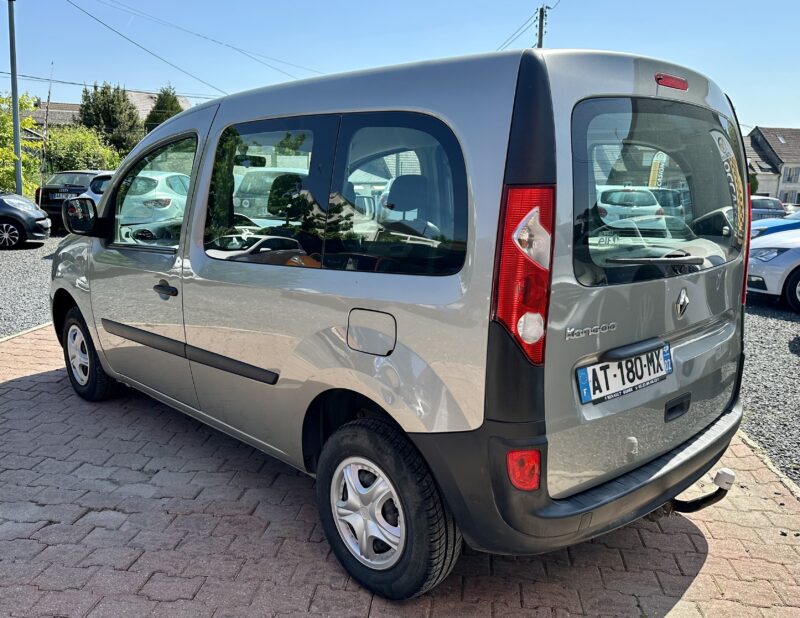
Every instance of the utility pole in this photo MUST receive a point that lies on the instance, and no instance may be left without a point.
(12, 42)
(542, 14)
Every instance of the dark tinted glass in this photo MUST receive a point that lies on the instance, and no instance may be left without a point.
(398, 202)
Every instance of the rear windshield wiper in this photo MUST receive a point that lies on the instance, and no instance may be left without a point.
(680, 260)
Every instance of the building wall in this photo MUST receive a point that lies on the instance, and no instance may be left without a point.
(768, 184)
(788, 189)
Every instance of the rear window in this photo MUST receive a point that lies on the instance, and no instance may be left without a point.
(658, 190)
(767, 204)
(70, 178)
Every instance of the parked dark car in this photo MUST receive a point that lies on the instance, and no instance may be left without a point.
(61, 186)
(767, 208)
(21, 220)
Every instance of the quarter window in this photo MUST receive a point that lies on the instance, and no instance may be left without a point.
(148, 210)
(398, 203)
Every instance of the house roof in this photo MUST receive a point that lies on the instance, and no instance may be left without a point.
(144, 102)
(757, 159)
(60, 114)
(784, 142)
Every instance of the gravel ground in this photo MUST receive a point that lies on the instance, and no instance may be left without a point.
(24, 285)
(771, 379)
(770, 388)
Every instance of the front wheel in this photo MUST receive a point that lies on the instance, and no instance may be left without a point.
(85, 372)
(11, 235)
(382, 512)
(792, 290)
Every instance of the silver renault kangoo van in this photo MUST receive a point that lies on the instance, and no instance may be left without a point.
(447, 290)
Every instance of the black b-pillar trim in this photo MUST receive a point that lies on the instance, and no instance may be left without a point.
(190, 352)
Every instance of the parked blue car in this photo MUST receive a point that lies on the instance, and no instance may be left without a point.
(762, 227)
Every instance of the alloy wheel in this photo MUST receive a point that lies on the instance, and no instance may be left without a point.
(368, 513)
(9, 235)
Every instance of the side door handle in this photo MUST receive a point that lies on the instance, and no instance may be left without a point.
(165, 289)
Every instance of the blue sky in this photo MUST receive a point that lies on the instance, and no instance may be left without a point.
(750, 49)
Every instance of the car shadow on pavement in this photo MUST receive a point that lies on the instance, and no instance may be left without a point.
(129, 497)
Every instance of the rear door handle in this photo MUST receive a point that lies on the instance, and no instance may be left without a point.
(163, 288)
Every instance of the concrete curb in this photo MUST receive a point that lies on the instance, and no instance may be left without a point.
(25, 332)
(793, 488)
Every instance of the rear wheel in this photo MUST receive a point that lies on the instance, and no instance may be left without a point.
(791, 290)
(382, 512)
(11, 234)
(85, 372)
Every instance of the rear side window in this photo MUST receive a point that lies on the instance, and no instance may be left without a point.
(268, 190)
(98, 185)
(398, 200)
(654, 181)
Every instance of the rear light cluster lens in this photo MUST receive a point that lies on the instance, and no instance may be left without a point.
(660, 212)
(158, 203)
(522, 274)
(524, 468)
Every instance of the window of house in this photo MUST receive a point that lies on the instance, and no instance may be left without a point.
(398, 202)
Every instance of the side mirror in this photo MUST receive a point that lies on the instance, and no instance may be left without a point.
(726, 231)
(80, 216)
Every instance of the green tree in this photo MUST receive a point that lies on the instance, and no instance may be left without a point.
(109, 110)
(165, 107)
(753, 184)
(78, 147)
(30, 148)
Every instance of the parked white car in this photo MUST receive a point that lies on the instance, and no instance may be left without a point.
(97, 185)
(775, 266)
(155, 196)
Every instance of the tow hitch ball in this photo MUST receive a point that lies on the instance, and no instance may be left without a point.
(724, 480)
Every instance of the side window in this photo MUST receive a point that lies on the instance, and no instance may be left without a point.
(399, 201)
(262, 207)
(149, 203)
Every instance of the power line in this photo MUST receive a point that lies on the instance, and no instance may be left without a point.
(36, 78)
(116, 4)
(143, 48)
(524, 27)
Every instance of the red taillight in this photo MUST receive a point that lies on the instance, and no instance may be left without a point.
(660, 212)
(522, 271)
(746, 247)
(602, 211)
(524, 468)
(682, 211)
(158, 203)
(671, 81)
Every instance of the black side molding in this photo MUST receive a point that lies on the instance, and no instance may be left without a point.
(190, 352)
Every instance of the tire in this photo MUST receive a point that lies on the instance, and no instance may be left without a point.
(11, 234)
(791, 291)
(429, 540)
(85, 372)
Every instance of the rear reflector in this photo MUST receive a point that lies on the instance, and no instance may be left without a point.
(522, 272)
(671, 81)
(524, 469)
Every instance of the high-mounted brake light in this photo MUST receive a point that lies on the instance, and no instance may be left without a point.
(524, 468)
(671, 81)
(522, 271)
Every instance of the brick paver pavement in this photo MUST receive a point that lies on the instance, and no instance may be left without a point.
(128, 508)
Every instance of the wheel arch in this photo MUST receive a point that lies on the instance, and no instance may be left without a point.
(330, 410)
(63, 301)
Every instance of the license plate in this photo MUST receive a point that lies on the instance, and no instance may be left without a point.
(605, 381)
(59, 196)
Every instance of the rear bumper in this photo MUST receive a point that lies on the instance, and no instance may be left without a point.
(495, 517)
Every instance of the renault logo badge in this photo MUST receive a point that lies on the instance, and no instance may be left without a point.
(682, 303)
